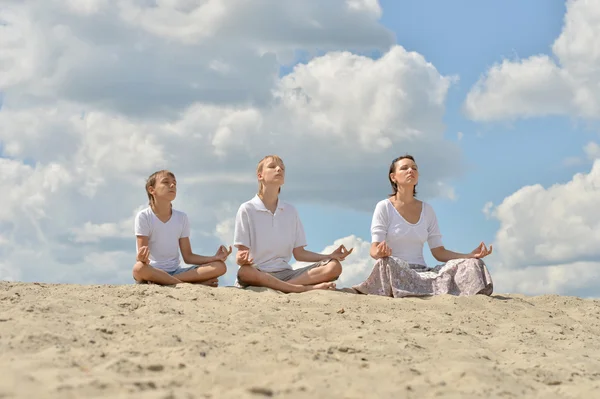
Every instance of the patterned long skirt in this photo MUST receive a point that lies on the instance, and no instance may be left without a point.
(396, 278)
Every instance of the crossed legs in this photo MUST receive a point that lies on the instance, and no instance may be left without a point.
(207, 274)
(314, 279)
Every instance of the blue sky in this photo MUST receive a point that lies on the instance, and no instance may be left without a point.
(465, 41)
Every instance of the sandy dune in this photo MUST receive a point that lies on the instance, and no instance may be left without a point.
(71, 341)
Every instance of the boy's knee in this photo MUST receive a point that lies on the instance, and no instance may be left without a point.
(139, 270)
(221, 267)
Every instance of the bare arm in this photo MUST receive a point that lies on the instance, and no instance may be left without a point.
(142, 241)
(302, 255)
(441, 254)
(191, 258)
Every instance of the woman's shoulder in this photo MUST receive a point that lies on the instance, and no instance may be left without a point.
(428, 210)
(383, 205)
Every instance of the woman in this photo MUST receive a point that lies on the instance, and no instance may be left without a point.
(268, 232)
(401, 225)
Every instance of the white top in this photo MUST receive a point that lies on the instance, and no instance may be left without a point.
(270, 237)
(163, 238)
(406, 240)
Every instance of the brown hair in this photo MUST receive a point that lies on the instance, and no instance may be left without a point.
(151, 182)
(260, 166)
(393, 169)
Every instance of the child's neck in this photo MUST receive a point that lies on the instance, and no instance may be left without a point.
(270, 197)
(162, 209)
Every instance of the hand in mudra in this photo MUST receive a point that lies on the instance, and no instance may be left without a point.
(341, 253)
(383, 250)
(243, 257)
(481, 251)
(223, 253)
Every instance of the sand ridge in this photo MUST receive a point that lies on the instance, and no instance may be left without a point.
(73, 341)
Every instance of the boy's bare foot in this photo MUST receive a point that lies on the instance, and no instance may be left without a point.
(213, 282)
(322, 286)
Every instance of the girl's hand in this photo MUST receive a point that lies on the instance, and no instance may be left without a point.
(383, 250)
(340, 253)
(243, 257)
(223, 253)
(143, 255)
(481, 251)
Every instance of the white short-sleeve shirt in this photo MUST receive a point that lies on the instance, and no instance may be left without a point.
(163, 238)
(406, 240)
(270, 237)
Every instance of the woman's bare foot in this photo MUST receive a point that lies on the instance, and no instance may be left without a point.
(213, 282)
(322, 286)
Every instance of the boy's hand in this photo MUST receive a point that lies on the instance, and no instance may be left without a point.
(243, 257)
(143, 254)
(223, 253)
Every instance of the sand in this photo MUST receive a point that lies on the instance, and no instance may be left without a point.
(73, 341)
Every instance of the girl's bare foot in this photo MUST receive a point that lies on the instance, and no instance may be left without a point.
(213, 282)
(323, 286)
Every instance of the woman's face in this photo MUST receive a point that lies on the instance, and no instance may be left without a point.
(406, 173)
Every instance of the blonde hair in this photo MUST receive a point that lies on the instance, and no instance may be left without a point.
(260, 166)
(151, 182)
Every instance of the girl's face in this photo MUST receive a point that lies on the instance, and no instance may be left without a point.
(272, 173)
(406, 173)
(165, 188)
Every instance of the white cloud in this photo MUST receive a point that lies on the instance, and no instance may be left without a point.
(577, 278)
(487, 209)
(548, 237)
(572, 161)
(95, 100)
(566, 84)
(592, 150)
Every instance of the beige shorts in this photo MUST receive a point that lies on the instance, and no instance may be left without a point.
(289, 274)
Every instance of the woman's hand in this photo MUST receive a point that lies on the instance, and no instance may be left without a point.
(382, 250)
(243, 258)
(340, 253)
(481, 251)
(143, 255)
(223, 253)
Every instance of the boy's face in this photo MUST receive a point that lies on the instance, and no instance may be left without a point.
(165, 187)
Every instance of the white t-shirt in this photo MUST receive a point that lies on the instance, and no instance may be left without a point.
(406, 240)
(270, 237)
(163, 238)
